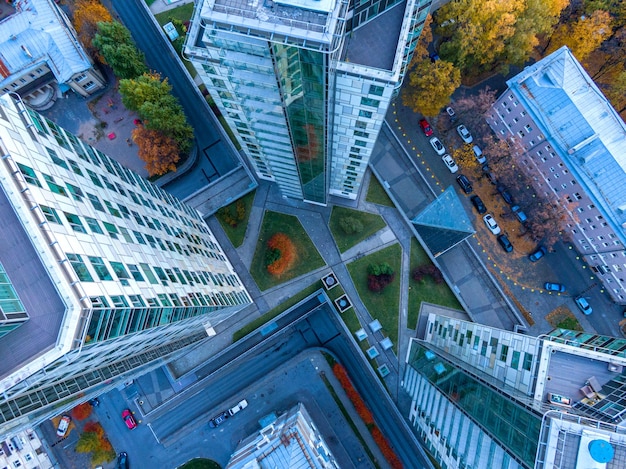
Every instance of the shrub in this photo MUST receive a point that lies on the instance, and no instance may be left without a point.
(342, 376)
(431, 270)
(232, 216)
(286, 254)
(350, 225)
(81, 411)
(93, 440)
(271, 256)
(386, 449)
(379, 276)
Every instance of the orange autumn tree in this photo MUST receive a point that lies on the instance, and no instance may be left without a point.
(87, 15)
(280, 254)
(81, 411)
(158, 151)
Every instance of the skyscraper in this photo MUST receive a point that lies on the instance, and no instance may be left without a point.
(304, 84)
(105, 274)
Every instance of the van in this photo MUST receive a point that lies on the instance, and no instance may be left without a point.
(478, 153)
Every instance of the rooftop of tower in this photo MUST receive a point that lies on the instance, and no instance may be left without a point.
(374, 43)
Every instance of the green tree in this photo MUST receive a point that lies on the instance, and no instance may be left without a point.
(86, 15)
(151, 98)
(88, 442)
(116, 47)
(475, 31)
(430, 86)
(351, 225)
(584, 35)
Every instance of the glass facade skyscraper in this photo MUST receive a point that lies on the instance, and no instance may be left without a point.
(110, 275)
(305, 85)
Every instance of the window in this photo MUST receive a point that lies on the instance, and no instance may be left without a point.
(376, 90)
(54, 187)
(94, 178)
(101, 269)
(75, 223)
(528, 361)
(112, 210)
(528, 128)
(111, 229)
(370, 102)
(76, 192)
(134, 271)
(50, 214)
(79, 267)
(148, 273)
(55, 158)
(367, 114)
(139, 237)
(119, 270)
(29, 175)
(75, 167)
(95, 201)
(515, 360)
(504, 352)
(93, 225)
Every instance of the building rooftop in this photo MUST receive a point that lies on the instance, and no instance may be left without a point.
(34, 35)
(34, 287)
(580, 121)
(374, 43)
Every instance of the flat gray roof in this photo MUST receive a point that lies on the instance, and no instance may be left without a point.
(374, 43)
(36, 290)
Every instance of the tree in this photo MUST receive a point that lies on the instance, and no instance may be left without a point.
(117, 49)
(582, 36)
(159, 152)
(615, 91)
(351, 225)
(471, 110)
(426, 37)
(81, 411)
(87, 14)
(464, 156)
(88, 442)
(475, 32)
(151, 98)
(430, 86)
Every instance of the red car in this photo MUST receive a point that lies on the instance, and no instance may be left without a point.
(428, 131)
(129, 420)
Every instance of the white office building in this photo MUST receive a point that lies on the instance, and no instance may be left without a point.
(572, 145)
(304, 84)
(105, 274)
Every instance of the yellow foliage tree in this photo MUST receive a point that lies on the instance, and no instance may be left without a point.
(430, 86)
(158, 151)
(87, 15)
(584, 35)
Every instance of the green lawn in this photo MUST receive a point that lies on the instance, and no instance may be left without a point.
(376, 193)
(383, 306)
(182, 13)
(371, 224)
(428, 290)
(237, 233)
(307, 256)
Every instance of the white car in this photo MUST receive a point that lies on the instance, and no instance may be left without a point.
(437, 146)
(492, 224)
(450, 163)
(242, 405)
(64, 424)
(464, 134)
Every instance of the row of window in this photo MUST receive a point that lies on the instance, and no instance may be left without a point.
(145, 273)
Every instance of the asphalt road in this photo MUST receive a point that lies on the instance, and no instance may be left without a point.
(188, 413)
(216, 154)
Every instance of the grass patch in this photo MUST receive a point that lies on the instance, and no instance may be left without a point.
(376, 193)
(371, 224)
(383, 306)
(428, 290)
(183, 14)
(562, 318)
(307, 257)
(149, 2)
(237, 233)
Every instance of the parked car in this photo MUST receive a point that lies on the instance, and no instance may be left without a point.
(450, 163)
(506, 195)
(491, 223)
(218, 419)
(451, 113)
(478, 204)
(519, 214)
(478, 153)
(465, 184)
(489, 175)
(95, 402)
(503, 240)
(557, 287)
(428, 130)
(437, 146)
(434, 57)
(464, 134)
(64, 424)
(129, 420)
(122, 460)
(538, 254)
(240, 406)
(583, 305)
